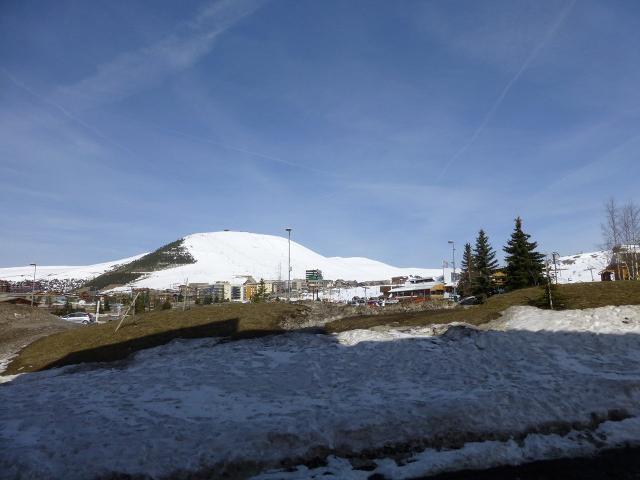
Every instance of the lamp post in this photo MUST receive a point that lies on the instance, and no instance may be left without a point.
(33, 284)
(453, 264)
(288, 230)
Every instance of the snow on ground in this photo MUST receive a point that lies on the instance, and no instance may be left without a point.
(473, 455)
(197, 403)
(17, 274)
(611, 319)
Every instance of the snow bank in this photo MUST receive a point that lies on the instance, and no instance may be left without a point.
(611, 319)
(473, 455)
(198, 403)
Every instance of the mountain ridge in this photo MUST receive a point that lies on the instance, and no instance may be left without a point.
(207, 257)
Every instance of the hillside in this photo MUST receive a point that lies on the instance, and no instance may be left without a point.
(579, 268)
(62, 272)
(229, 256)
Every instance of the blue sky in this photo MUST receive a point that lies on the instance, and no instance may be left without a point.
(373, 128)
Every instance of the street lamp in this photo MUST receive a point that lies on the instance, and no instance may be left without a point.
(288, 230)
(453, 263)
(33, 284)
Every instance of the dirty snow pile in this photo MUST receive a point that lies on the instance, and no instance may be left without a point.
(611, 319)
(463, 399)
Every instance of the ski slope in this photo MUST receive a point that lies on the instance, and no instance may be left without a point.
(227, 256)
(579, 268)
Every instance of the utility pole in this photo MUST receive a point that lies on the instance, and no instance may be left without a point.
(33, 284)
(186, 292)
(453, 264)
(549, 284)
(288, 230)
(591, 269)
(555, 256)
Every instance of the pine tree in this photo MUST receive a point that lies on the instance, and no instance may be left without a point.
(468, 272)
(485, 263)
(260, 294)
(139, 306)
(524, 264)
(166, 305)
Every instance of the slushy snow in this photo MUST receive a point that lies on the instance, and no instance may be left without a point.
(203, 403)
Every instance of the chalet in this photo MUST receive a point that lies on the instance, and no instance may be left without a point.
(499, 279)
(416, 288)
(615, 271)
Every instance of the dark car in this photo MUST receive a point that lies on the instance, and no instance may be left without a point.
(470, 301)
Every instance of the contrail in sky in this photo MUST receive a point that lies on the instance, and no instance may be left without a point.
(489, 115)
(63, 111)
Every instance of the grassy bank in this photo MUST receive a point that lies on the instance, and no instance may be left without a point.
(98, 343)
(572, 296)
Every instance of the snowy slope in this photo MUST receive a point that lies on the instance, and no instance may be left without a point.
(17, 274)
(576, 268)
(468, 398)
(225, 256)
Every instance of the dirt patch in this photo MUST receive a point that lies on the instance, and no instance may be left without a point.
(21, 325)
(319, 314)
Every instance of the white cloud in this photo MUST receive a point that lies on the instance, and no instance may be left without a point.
(132, 71)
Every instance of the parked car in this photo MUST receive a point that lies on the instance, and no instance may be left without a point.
(469, 301)
(79, 317)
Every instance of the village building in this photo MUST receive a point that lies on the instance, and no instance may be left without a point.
(416, 289)
(221, 292)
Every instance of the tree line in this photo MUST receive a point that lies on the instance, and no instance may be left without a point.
(524, 264)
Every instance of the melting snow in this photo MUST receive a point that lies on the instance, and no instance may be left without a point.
(198, 403)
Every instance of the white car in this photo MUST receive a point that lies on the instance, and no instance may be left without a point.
(79, 317)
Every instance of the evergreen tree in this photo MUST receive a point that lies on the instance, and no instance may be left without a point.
(68, 308)
(468, 271)
(485, 263)
(524, 264)
(166, 305)
(260, 294)
(106, 305)
(139, 306)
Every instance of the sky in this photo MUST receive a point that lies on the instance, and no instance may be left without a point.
(372, 128)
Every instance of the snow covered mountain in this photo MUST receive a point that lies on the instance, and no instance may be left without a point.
(228, 256)
(48, 273)
(221, 256)
(579, 268)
